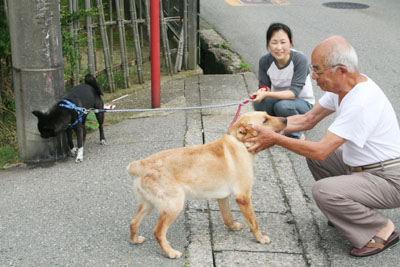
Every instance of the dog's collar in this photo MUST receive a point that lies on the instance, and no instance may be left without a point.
(69, 105)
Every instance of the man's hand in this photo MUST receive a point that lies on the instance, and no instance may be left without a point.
(263, 140)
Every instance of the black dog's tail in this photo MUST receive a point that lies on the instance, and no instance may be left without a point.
(89, 79)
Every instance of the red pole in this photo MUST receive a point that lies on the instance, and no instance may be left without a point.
(155, 52)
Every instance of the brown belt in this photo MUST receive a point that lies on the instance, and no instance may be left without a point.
(375, 166)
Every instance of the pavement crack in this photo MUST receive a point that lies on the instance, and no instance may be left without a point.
(188, 234)
(210, 227)
(288, 206)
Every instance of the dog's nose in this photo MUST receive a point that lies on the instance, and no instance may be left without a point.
(284, 120)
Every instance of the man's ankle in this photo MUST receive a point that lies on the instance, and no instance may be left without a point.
(386, 231)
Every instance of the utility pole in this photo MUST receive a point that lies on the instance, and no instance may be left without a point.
(38, 74)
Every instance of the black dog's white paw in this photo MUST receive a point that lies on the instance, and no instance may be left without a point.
(103, 142)
(79, 157)
(74, 151)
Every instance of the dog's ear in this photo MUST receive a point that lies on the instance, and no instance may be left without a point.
(250, 131)
(240, 132)
(38, 114)
(244, 131)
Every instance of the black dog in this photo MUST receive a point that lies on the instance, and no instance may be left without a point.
(69, 113)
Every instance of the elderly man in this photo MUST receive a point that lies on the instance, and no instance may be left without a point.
(356, 165)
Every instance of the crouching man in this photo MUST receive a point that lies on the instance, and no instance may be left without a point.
(356, 165)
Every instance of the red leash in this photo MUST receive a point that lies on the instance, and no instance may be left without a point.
(239, 109)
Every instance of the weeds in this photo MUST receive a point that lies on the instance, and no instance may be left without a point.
(72, 41)
(244, 66)
(226, 46)
(8, 154)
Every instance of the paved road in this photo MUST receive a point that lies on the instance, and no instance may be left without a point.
(70, 214)
(374, 32)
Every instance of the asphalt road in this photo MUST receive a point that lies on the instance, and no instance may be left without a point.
(374, 32)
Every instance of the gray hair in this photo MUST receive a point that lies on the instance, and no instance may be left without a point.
(343, 54)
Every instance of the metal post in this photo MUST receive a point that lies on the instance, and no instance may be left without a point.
(38, 74)
(155, 52)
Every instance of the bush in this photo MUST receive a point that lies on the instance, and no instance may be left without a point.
(7, 104)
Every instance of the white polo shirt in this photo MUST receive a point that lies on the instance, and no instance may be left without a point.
(366, 119)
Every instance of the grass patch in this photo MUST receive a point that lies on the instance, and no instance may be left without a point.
(244, 66)
(91, 121)
(8, 155)
(225, 46)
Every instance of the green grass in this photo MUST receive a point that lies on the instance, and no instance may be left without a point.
(244, 66)
(8, 154)
(91, 121)
(225, 46)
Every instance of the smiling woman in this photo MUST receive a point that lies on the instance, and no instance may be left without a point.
(284, 78)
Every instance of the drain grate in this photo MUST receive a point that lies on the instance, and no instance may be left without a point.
(345, 5)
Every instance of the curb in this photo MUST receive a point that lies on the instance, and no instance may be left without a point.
(216, 57)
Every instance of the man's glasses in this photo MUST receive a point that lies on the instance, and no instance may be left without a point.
(315, 69)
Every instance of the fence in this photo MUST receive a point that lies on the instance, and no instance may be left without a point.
(127, 55)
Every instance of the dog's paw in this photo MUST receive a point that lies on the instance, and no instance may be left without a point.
(236, 226)
(173, 254)
(264, 239)
(79, 157)
(102, 141)
(74, 151)
(138, 240)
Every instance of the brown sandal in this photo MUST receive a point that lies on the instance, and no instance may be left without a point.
(375, 246)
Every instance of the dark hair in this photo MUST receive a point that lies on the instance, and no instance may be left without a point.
(274, 27)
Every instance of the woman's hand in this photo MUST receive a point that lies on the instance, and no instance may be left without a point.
(260, 94)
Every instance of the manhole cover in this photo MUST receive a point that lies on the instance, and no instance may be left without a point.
(345, 5)
(255, 2)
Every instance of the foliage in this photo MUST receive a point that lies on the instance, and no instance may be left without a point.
(225, 46)
(91, 121)
(5, 46)
(8, 154)
(7, 104)
(244, 66)
(73, 40)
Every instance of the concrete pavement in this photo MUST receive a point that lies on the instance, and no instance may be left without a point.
(70, 214)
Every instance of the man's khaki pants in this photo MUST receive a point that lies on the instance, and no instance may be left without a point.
(349, 200)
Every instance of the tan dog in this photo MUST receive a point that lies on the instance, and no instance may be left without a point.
(211, 171)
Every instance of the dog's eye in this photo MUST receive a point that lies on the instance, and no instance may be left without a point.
(266, 119)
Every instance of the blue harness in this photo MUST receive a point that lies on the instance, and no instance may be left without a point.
(69, 105)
